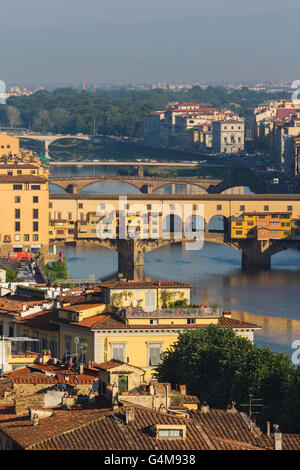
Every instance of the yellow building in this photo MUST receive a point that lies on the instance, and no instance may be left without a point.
(24, 201)
(138, 337)
(61, 230)
(148, 295)
(132, 335)
(8, 145)
(263, 226)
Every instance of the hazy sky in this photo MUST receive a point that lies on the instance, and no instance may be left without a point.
(60, 41)
(61, 12)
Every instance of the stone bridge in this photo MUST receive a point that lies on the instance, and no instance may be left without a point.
(205, 208)
(144, 184)
(46, 140)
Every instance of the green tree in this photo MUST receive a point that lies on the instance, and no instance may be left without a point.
(11, 276)
(57, 270)
(219, 366)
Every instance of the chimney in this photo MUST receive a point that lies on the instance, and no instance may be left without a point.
(35, 420)
(182, 389)
(277, 438)
(81, 368)
(204, 407)
(268, 428)
(231, 408)
(129, 414)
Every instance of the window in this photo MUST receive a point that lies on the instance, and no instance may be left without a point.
(69, 215)
(170, 433)
(35, 227)
(290, 208)
(35, 199)
(35, 213)
(191, 321)
(26, 186)
(242, 208)
(17, 199)
(154, 353)
(9, 173)
(266, 208)
(80, 205)
(50, 205)
(44, 342)
(17, 186)
(239, 232)
(35, 187)
(26, 237)
(118, 351)
(35, 238)
(67, 340)
(219, 207)
(154, 322)
(17, 213)
(11, 330)
(53, 346)
(19, 172)
(17, 226)
(17, 238)
(1, 328)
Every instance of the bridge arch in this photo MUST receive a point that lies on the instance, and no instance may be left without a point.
(237, 190)
(218, 223)
(172, 224)
(106, 179)
(199, 187)
(194, 223)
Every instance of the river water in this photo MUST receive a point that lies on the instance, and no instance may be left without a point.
(268, 298)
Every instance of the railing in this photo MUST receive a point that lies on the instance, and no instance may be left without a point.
(167, 312)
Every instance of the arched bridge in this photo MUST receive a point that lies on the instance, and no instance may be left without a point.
(146, 185)
(46, 140)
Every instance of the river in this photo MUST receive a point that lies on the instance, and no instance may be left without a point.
(268, 298)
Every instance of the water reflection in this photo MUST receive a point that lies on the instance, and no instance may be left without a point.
(271, 298)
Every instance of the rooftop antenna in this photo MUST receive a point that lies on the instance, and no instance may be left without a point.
(252, 404)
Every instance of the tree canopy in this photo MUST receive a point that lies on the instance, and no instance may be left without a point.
(114, 112)
(219, 367)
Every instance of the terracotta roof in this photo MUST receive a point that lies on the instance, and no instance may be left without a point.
(233, 323)
(112, 364)
(80, 307)
(20, 428)
(51, 374)
(22, 179)
(104, 429)
(41, 320)
(145, 284)
(111, 321)
(19, 166)
(100, 428)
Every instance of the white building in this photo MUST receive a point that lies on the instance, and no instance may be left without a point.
(228, 136)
